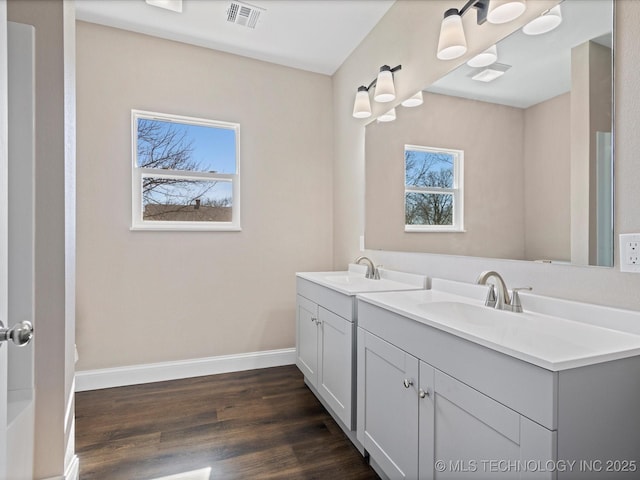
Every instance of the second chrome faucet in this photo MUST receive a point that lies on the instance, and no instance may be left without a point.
(372, 271)
(498, 296)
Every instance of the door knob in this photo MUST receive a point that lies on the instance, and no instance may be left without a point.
(424, 393)
(20, 334)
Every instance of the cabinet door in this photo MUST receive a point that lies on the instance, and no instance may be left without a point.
(390, 429)
(335, 380)
(426, 440)
(477, 437)
(307, 338)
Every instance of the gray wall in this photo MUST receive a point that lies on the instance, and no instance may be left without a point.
(185, 295)
(493, 190)
(547, 180)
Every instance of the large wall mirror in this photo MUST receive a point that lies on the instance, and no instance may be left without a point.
(536, 178)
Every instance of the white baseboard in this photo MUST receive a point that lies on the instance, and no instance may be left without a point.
(159, 372)
(72, 472)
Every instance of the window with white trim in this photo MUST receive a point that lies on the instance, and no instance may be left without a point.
(185, 173)
(433, 189)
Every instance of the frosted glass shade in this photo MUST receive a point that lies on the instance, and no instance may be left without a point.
(390, 116)
(484, 59)
(385, 90)
(173, 5)
(452, 42)
(414, 100)
(362, 106)
(503, 11)
(545, 22)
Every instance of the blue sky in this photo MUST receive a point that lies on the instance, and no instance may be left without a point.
(214, 148)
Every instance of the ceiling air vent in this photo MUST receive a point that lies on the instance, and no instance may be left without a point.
(244, 14)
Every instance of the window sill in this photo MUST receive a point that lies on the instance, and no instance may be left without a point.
(432, 229)
(184, 228)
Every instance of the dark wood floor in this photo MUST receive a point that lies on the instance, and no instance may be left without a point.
(247, 425)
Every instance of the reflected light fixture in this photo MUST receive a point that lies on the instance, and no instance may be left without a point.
(484, 59)
(546, 22)
(413, 101)
(173, 5)
(390, 116)
(452, 42)
(384, 92)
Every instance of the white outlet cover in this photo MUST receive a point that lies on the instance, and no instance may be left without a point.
(630, 255)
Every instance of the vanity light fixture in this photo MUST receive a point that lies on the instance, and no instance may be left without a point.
(452, 42)
(173, 5)
(384, 92)
(503, 11)
(484, 59)
(362, 106)
(549, 20)
(414, 100)
(390, 116)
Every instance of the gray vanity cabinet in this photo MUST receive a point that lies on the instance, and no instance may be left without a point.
(434, 405)
(325, 346)
(418, 422)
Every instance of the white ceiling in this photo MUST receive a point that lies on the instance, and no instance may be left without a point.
(312, 35)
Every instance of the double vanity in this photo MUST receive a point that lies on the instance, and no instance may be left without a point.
(435, 384)
(326, 320)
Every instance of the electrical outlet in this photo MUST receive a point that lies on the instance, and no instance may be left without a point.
(630, 252)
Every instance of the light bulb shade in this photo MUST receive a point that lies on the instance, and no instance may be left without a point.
(544, 23)
(385, 90)
(414, 100)
(452, 42)
(173, 5)
(390, 116)
(484, 59)
(503, 11)
(362, 106)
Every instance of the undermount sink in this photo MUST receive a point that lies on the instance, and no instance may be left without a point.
(346, 279)
(551, 342)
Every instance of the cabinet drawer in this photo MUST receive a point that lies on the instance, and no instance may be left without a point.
(333, 301)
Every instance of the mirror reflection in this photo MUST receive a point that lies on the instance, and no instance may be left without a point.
(534, 127)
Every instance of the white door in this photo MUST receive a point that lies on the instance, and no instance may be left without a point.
(16, 248)
(4, 267)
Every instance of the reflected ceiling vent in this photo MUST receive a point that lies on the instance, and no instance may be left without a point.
(244, 14)
(490, 73)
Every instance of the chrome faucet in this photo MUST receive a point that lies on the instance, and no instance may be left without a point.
(498, 297)
(372, 271)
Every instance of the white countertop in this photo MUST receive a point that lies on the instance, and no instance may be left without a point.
(550, 342)
(353, 281)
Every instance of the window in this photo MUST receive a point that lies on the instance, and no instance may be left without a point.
(433, 189)
(186, 173)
